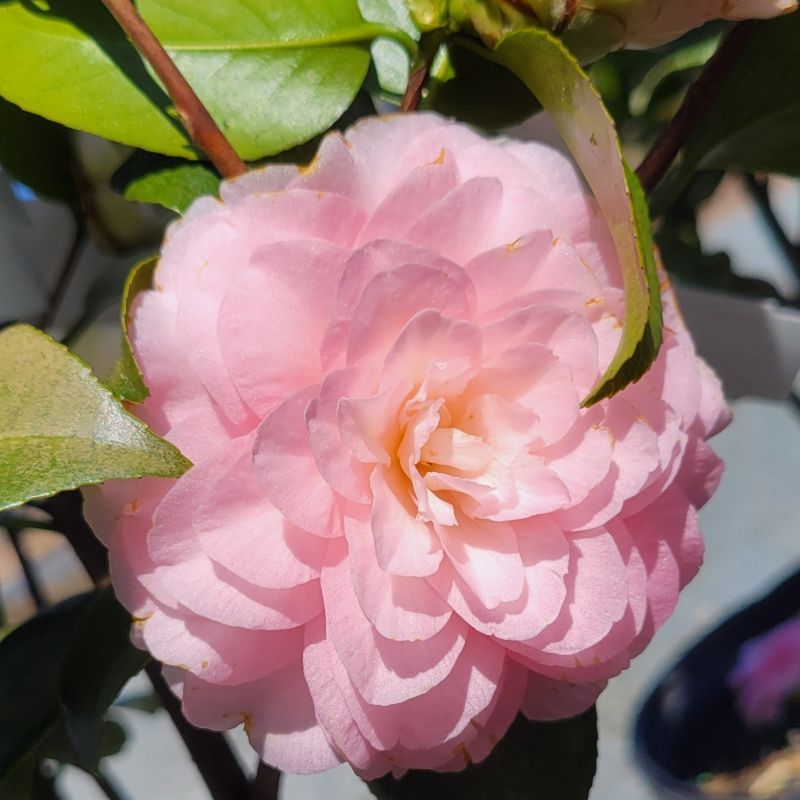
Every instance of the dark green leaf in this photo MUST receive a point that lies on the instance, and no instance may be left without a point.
(564, 90)
(753, 122)
(466, 86)
(126, 380)
(30, 671)
(169, 182)
(60, 428)
(36, 152)
(99, 662)
(18, 783)
(58, 745)
(272, 74)
(533, 761)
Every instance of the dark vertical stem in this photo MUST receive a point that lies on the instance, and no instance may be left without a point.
(759, 191)
(67, 514)
(210, 751)
(66, 274)
(31, 579)
(199, 124)
(413, 95)
(698, 100)
(266, 784)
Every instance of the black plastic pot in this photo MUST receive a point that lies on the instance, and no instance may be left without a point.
(689, 725)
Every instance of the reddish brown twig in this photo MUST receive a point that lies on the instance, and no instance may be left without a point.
(698, 99)
(199, 124)
(413, 95)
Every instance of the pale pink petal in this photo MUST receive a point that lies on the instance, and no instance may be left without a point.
(384, 672)
(460, 225)
(216, 652)
(286, 468)
(273, 317)
(286, 735)
(335, 460)
(435, 353)
(424, 186)
(400, 608)
(382, 255)
(404, 544)
(486, 557)
(331, 706)
(392, 298)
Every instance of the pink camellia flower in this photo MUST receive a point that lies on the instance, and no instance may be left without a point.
(767, 672)
(401, 528)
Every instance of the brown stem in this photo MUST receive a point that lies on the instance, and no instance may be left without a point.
(698, 100)
(199, 124)
(266, 783)
(65, 275)
(28, 573)
(413, 95)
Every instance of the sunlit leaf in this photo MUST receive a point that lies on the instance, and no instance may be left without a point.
(272, 74)
(567, 93)
(169, 182)
(126, 380)
(60, 428)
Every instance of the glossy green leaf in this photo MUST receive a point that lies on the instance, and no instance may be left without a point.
(60, 428)
(533, 761)
(126, 380)
(98, 663)
(36, 152)
(170, 182)
(392, 60)
(271, 74)
(30, 671)
(567, 93)
(753, 121)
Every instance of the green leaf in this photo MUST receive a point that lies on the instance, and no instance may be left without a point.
(170, 182)
(99, 662)
(58, 746)
(392, 61)
(126, 380)
(60, 428)
(567, 93)
(272, 74)
(30, 668)
(752, 123)
(533, 761)
(690, 57)
(36, 152)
